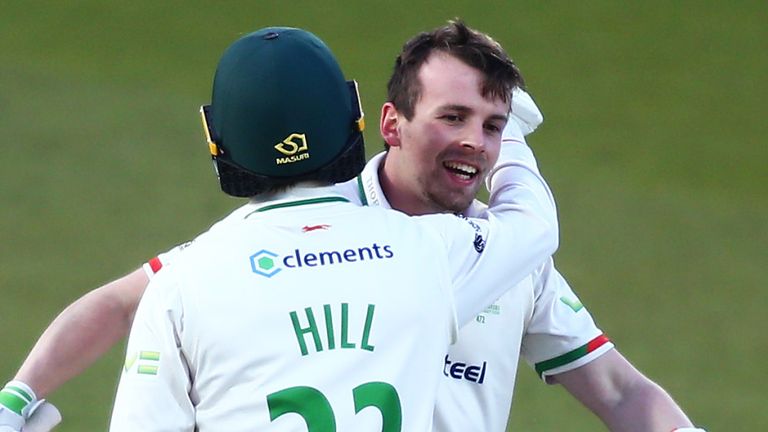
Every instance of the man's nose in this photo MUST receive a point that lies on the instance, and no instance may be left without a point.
(474, 138)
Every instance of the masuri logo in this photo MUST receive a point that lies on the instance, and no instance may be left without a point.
(294, 147)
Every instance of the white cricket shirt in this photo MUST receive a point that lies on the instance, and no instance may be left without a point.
(540, 319)
(310, 310)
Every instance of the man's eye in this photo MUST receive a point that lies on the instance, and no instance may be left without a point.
(451, 117)
(492, 128)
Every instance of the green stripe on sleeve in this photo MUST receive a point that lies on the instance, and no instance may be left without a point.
(571, 356)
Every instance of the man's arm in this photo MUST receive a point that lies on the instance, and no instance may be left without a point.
(82, 333)
(517, 233)
(153, 393)
(622, 397)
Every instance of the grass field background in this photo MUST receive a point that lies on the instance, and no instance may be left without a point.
(654, 144)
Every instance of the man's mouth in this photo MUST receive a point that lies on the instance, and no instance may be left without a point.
(461, 170)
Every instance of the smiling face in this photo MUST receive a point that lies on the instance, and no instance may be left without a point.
(439, 158)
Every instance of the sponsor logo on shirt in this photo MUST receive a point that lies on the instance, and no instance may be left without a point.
(185, 245)
(310, 228)
(479, 241)
(494, 309)
(371, 195)
(267, 263)
(148, 362)
(464, 371)
(572, 303)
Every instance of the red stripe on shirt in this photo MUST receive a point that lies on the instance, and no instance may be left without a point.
(597, 343)
(155, 264)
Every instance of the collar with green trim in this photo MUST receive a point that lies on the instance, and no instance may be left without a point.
(370, 193)
(368, 184)
(297, 196)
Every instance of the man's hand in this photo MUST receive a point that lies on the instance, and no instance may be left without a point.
(16, 400)
(18, 403)
(43, 418)
(525, 112)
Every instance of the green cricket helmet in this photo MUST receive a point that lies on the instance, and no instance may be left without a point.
(281, 113)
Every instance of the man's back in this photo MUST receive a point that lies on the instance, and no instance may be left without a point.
(300, 303)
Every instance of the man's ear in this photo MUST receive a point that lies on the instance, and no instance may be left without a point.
(388, 126)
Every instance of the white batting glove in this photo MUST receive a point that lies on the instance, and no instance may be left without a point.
(42, 418)
(16, 402)
(524, 112)
(524, 118)
(10, 421)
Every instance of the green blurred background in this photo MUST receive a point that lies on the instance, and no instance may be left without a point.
(653, 144)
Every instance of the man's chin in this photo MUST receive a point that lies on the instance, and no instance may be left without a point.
(455, 204)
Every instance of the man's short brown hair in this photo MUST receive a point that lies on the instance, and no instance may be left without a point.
(474, 48)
